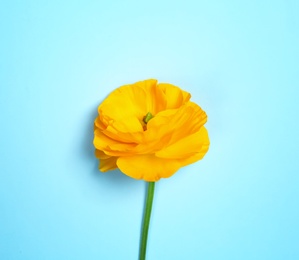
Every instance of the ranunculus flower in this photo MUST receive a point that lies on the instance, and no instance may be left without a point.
(149, 130)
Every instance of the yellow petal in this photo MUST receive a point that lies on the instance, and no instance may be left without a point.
(171, 125)
(121, 112)
(189, 119)
(113, 133)
(107, 164)
(174, 95)
(192, 159)
(111, 147)
(155, 99)
(147, 167)
(126, 106)
(197, 143)
(98, 124)
(101, 155)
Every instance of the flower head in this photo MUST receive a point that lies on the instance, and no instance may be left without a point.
(149, 130)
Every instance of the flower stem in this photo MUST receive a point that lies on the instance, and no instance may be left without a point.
(146, 219)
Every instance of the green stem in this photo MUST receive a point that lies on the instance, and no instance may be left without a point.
(146, 219)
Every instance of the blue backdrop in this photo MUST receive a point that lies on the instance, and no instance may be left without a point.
(238, 59)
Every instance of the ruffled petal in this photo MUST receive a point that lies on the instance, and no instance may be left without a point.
(147, 167)
(127, 137)
(101, 155)
(111, 147)
(126, 106)
(174, 95)
(121, 111)
(171, 125)
(155, 99)
(194, 158)
(108, 164)
(98, 124)
(115, 134)
(194, 144)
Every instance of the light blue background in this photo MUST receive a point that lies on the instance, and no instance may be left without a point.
(60, 59)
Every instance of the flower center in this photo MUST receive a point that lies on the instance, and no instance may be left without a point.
(147, 117)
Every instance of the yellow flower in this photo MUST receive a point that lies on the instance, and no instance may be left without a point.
(149, 130)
